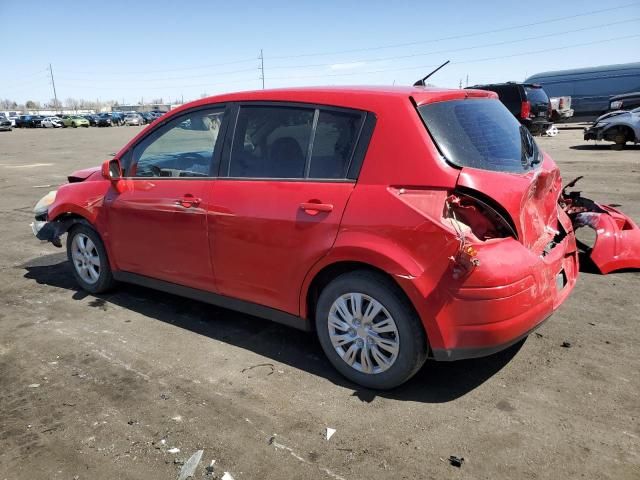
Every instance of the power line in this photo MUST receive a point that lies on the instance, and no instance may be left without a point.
(421, 67)
(451, 50)
(180, 69)
(456, 37)
(128, 80)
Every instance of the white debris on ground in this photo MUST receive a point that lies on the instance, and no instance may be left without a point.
(189, 468)
(330, 432)
(173, 450)
(227, 476)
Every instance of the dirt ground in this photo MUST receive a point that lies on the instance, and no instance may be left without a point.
(101, 387)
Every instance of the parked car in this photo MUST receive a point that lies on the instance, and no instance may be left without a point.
(148, 117)
(92, 119)
(627, 101)
(10, 115)
(5, 124)
(117, 118)
(133, 119)
(52, 122)
(75, 121)
(28, 121)
(619, 127)
(104, 120)
(389, 221)
(560, 108)
(527, 101)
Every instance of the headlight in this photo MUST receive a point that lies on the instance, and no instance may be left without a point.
(43, 204)
(616, 105)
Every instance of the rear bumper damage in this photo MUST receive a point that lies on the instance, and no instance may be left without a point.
(510, 294)
(617, 244)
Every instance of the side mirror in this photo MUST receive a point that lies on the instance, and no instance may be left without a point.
(111, 169)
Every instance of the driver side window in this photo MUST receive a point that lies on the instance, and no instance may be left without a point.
(182, 148)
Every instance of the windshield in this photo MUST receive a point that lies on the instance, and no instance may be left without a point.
(480, 133)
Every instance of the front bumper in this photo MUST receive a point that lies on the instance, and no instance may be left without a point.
(593, 133)
(510, 294)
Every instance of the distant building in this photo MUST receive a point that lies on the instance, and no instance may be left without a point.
(147, 107)
(590, 88)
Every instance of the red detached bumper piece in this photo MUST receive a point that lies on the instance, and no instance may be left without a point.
(617, 244)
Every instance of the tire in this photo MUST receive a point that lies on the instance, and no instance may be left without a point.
(97, 277)
(404, 330)
(619, 139)
(74, 124)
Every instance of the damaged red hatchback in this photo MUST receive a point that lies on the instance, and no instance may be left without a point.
(399, 223)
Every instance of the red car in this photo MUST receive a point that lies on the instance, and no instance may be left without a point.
(398, 223)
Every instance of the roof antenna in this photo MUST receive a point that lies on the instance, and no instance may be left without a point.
(420, 83)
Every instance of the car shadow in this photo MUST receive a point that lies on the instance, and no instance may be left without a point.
(437, 382)
(603, 146)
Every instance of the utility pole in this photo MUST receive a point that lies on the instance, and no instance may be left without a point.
(261, 68)
(55, 95)
(467, 82)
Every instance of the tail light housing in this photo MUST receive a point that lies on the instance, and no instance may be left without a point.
(525, 109)
(482, 219)
(561, 103)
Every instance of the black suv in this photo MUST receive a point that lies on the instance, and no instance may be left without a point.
(29, 121)
(527, 101)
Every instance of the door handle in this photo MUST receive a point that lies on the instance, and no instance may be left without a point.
(188, 201)
(313, 208)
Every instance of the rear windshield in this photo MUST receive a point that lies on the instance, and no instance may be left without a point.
(537, 95)
(480, 133)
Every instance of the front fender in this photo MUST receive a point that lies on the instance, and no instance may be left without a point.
(84, 199)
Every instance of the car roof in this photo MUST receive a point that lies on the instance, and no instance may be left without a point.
(625, 95)
(361, 97)
(508, 84)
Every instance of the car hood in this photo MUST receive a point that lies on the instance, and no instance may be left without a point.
(611, 116)
(82, 175)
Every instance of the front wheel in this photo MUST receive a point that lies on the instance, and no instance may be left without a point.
(369, 331)
(88, 258)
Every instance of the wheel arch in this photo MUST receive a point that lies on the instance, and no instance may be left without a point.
(324, 273)
(628, 130)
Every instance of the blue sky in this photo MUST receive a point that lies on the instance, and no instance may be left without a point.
(133, 50)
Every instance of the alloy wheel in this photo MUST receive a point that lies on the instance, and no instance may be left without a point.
(86, 259)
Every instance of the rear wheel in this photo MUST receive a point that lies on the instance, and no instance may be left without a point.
(369, 331)
(88, 257)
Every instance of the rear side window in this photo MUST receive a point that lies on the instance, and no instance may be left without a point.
(292, 142)
(536, 95)
(271, 142)
(480, 133)
(334, 142)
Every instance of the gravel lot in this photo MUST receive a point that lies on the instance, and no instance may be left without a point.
(101, 387)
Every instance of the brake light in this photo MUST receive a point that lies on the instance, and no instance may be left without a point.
(525, 110)
(561, 104)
